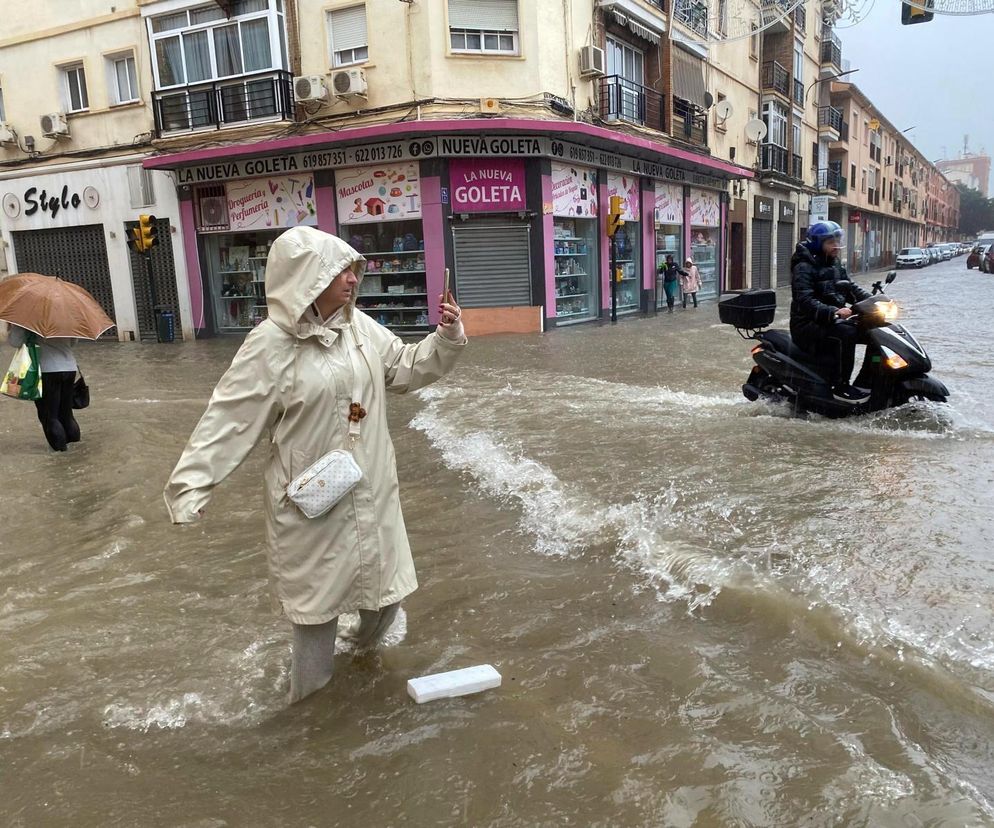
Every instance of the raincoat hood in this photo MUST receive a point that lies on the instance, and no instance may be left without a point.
(301, 264)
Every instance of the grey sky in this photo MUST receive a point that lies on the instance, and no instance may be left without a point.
(937, 76)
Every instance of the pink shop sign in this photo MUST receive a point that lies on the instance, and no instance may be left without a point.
(487, 185)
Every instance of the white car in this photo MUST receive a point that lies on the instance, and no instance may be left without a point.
(912, 257)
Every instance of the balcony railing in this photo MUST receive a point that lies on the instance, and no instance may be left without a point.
(622, 99)
(829, 116)
(797, 166)
(831, 48)
(772, 11)
(693, 14)
(831, 179)
(775, 78)
(798, 92)
(263, 96)
(773, 158)
(689, 122)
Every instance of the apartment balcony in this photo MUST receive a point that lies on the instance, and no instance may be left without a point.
(829, 123)
(690, 123)
(625, 100)
(775, 78)
(831, 180)
(798, 92)
(841, 141)
(775, 16)
(693, 14)
(259, 97)
(773, 159)
(831, 50)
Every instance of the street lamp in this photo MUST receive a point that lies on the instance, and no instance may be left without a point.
(829, 78)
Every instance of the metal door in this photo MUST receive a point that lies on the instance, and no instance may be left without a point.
(786, 242)
(76, 254)
(762, 253)
(164, 273)
(492, 264)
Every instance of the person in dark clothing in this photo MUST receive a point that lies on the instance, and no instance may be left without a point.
(671, 280)
(821, 293)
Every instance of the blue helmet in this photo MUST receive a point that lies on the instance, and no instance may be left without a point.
(819, 231)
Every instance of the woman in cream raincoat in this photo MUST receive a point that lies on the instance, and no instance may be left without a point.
(294, 379)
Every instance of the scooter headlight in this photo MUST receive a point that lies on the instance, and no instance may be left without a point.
(888, 310)
(893, 361)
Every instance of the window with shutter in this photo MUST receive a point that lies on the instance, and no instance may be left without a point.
(484, 26)
(347, 29)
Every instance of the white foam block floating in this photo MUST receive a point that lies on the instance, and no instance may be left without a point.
(454, 683)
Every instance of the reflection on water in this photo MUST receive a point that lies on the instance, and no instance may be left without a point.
(706, 611)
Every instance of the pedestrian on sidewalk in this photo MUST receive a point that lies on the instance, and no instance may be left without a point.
(58, 377)
(690, 281)
(671, 280)
(308, 378)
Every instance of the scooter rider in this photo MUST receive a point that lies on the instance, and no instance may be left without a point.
(821, 292)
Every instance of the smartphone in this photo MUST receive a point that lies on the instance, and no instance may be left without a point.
(445, 287)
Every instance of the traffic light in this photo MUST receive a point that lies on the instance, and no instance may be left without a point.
(148, 233)
(614, 219)
(916, 13)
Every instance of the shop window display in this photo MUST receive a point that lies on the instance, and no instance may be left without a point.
(237, 273)
(576, 268)
(393, 291)
(704, 252)
(626, 239)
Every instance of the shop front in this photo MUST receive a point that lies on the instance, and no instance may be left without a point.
(514, 210)
(575, 243)
(627, 242)
(73, 222)
(705, 238)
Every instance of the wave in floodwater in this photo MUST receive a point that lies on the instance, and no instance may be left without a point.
(564, 519)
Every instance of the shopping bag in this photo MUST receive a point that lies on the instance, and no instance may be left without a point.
(23, 378)
(80, 393)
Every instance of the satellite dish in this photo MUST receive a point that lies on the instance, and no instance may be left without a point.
(723, 110)
(755, 130)
(708, 100)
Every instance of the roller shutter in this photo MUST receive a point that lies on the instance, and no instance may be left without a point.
(786, 242)
(492, 265)
(76, 254)
(762, 253)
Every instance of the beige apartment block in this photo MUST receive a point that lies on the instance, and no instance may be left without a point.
(890, 196)
(75, 93)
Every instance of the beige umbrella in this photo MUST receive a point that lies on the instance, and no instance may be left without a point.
(51, 307)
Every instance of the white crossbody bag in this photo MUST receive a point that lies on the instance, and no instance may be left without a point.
(330, 478)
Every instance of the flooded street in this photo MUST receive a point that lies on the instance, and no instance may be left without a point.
(705, 611)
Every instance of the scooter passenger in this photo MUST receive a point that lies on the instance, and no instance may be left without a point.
(821, 293)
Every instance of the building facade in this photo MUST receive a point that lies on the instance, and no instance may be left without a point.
(972, 170)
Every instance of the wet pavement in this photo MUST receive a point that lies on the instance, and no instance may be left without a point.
(706, 612)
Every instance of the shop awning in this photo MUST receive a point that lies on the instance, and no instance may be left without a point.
(688, 78)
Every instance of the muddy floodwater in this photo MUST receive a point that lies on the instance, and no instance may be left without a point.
(706, 612)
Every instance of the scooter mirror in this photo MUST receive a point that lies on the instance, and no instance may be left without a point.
(891, 276)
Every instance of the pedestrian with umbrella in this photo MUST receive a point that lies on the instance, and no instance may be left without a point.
(53, 314)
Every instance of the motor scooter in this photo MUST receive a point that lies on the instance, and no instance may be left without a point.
(894, 370)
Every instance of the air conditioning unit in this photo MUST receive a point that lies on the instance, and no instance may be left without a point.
(309, 88)
(7, 135)
(53, 124)
(592, 62)
(213, 211)
(349, 83)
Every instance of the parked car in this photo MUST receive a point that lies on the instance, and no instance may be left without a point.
(933, 255)
(953, 249)
(987, 262)
(911, 257)
(976, 254)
